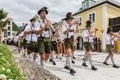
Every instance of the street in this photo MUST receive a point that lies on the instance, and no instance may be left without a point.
(82, 73)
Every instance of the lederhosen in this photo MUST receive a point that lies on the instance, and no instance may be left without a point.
(59, 46)
(44, 43)
(31, 45)
(69, 42)
(53, 44)
(110, 47)
(88, 46)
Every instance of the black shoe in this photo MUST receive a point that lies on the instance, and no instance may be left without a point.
(105, 63)
(67, 67)
(83, 59)
(73, 61)
(94, 68)
(60, 58)
(54, 63)
(50, 60)
(74, 57)
(85, 65)
(72, 71)
(115, 66)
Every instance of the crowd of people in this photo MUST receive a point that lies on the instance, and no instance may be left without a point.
(50, 40)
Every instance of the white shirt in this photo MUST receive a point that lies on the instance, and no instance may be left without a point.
(16, 38)
(30, 37)
(40, 24)
(69, 34)
(107, 38)
(85, 34)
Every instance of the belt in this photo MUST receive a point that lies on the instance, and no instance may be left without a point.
(44, 37)
(30, 41)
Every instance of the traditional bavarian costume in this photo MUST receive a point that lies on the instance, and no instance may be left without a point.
(88, 39)
(44, 42)
(68, 41)
(31, 39)
(110, 46)
(44, 36)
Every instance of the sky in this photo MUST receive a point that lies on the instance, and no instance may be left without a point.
(23, 10)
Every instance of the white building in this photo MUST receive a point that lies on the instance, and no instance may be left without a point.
(8, 33)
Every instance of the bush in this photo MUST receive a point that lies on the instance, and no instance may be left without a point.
(7, 64)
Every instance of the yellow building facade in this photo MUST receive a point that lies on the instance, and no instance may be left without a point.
(99, 13)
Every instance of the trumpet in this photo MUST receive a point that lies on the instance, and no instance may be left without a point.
(99, 30)
(116, 35)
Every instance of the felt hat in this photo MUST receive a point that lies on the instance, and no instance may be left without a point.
(88, 23)
(43, 9)
(68, 16)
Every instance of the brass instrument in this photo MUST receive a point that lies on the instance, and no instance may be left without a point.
(99, 30)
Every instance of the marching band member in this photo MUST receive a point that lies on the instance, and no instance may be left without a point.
(110, 38)
(53, 44)
(31, 39)
(69, 31)
(44, 34)
(87, 39)
(59, 44)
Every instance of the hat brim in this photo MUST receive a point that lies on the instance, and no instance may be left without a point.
(32, 20)
(42, 10)
(68, 18)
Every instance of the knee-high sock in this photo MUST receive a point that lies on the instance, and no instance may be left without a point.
(106, 59)
(52, 57)
(43, 63)
(85, 58)
(90, 60)
(112, 59)
(68, 62)
(73, 54)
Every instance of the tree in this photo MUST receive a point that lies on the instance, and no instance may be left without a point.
(14, 27)
(3, 21)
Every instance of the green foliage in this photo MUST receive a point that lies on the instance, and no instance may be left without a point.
(15, 27)
(3, 15)
(7, 64)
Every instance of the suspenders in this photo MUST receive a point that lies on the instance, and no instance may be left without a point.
(68, 32)
(41, 27)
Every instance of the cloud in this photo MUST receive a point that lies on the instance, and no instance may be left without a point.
(21, 11)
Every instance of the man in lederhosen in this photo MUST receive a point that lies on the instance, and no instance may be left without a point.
(69, 31)
(87, 38)
(31, 39)
(53, 43)
(44, 33)
(110, 38)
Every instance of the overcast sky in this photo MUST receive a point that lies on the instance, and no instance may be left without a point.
(23, 10)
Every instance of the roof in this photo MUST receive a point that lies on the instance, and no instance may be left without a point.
(100, 2)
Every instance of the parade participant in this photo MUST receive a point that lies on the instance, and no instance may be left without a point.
(20, 43)
(16, 38)
(59, 42)
(69, 31)
(31, 39)
(110, 38)
(53, 44)
(44, 34)
(88, 36)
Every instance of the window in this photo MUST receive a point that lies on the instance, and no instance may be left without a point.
(5, 34)
(8, 27)
(85, 4)
(92, 17)
(8, 22)
(8, 33)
